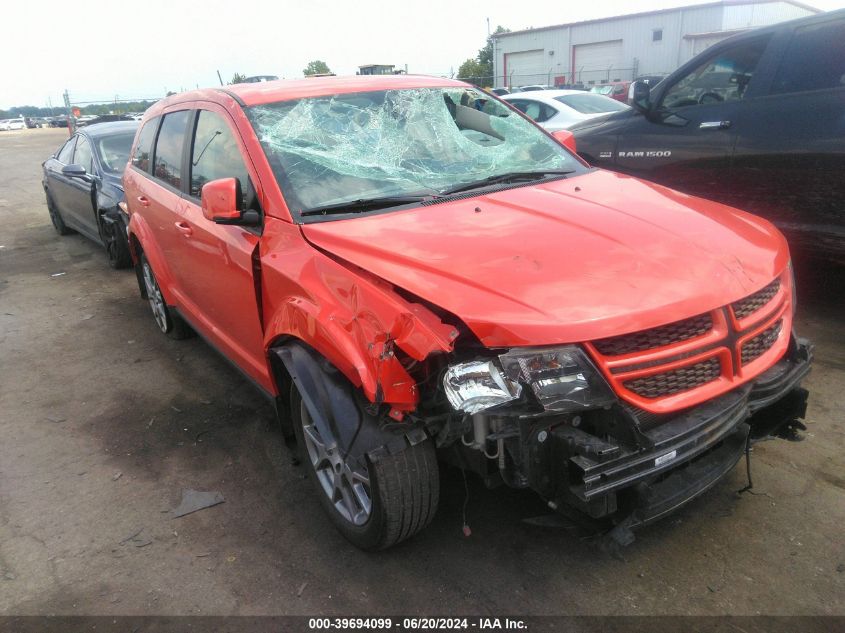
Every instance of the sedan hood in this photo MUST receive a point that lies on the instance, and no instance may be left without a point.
(565, 261)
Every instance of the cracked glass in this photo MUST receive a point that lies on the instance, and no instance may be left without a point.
(334, 149)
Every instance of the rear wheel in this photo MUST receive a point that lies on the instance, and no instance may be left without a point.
(168, 322)
(373, 504)
(56, 218)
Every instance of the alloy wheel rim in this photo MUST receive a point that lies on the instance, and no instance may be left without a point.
(346, 484)
(155, 298)
(111, 241)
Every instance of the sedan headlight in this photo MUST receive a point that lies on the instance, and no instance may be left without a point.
(562, 379)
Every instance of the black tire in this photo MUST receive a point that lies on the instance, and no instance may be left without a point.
(167, 320)
(404, 488)
(114, 241)
(56, 218)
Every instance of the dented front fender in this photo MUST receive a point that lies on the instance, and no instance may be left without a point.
(357, 321)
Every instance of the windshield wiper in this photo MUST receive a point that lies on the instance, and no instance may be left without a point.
(510, 176)
(363, 204)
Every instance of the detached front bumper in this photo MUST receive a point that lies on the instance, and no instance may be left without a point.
(680, 458)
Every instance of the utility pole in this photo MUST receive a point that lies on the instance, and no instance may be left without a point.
(67, 109)
(219, 77)
(488, 28)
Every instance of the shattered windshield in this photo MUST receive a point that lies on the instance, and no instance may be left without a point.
(331, 150)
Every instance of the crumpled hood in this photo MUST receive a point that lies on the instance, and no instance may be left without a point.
(566, 261)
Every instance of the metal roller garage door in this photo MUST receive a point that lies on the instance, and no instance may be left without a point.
(600, 61)
(526, 67)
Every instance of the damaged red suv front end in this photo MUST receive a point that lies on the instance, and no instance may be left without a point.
(433, 274)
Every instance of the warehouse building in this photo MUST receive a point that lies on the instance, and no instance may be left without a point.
(624, 47)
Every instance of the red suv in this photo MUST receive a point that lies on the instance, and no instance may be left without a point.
(410, 269)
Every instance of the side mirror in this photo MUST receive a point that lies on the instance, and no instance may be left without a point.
(73, 171)
(567, 139)
(221, 203)
(640, 96)
(221, 200)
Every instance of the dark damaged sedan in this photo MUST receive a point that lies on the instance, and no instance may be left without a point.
(82, 182)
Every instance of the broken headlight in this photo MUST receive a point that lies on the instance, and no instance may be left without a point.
(562, 378)
(478, 385)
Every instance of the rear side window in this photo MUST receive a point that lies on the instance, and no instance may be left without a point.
(168, 151)
(814, 59)
(215, 154)
(144, 150)
(66, 152)
(534, 110)
(588, 103)
(82, 155)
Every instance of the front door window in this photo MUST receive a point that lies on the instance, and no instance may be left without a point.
(724, 76)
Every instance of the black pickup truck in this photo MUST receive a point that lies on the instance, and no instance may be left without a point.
(756, 121)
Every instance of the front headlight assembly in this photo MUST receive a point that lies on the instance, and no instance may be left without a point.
(561, 378)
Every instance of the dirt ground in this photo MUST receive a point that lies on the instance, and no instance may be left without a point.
(103, 421)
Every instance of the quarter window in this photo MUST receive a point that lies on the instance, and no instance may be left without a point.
(723, 77)
(215, 154)
(82, 155)
(144, 150)
(168, 152)
(814, 59)
(66, 152)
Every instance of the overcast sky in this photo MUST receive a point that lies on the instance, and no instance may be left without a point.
(97, 50)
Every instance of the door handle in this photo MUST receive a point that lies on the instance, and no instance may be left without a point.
(714, 125)
(144, 201)
(184, 228)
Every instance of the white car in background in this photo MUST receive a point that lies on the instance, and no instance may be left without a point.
(13, 124)
(560, 109)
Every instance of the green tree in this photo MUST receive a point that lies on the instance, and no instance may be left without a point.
(473, 71)
(479, 69)
(317, 67)
(238, 78)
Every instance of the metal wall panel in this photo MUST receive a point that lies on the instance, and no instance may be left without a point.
(753, 15)
(640, 53)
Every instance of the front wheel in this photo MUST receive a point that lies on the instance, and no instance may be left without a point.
(373, 504)
(114, 240)
(168, 322)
